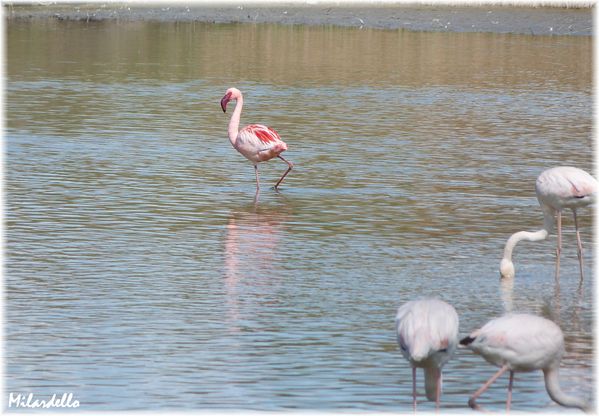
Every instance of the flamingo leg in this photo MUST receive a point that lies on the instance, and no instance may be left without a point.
(414, 388)
(256, 198)
(484, 387)
(579, 241)
(558, 250)
(257, 178)
(438, 392)
(509, 391)
(286, 172)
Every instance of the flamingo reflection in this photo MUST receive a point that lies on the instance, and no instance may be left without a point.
(251, 261)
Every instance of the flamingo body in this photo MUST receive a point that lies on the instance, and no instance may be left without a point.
(427, 334)
(565, 187)
(256, 142)
(259, 143)
(558, 188)
(522, 343)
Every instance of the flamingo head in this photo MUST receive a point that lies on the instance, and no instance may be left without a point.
(506, 269)
(231, 94)
(225, 101)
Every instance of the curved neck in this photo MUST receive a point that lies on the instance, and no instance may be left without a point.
(234, 122)
(556, 393)
(548, 223)
(519, 236)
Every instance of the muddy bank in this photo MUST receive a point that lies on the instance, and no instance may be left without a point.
(496, 19)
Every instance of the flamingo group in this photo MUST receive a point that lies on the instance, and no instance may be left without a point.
(427, 330)
(427, 335)
(256, 142)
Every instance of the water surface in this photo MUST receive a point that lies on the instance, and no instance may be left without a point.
(140, 274)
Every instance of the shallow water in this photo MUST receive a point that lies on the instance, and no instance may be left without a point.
(140, 274)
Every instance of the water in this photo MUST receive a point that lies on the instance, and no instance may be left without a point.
(140, 274)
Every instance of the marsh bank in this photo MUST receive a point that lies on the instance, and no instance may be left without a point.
(495, 19)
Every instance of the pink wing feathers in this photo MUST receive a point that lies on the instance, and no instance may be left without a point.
(259, 143)
(264, 133)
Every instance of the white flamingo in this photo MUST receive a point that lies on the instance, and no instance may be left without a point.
(258, 143)
(557, 189)
(427, 334)
(520, 343)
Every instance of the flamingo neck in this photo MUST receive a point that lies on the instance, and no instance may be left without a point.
(522, 235)
(433, 381)
(556, 393)
(506, 268)
(235, 118)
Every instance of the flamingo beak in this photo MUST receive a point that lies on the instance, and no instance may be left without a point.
(224, 101)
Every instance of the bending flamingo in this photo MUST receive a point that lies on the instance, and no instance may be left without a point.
(427, 334)
(557, 189)
(520, 343)
(256, 142)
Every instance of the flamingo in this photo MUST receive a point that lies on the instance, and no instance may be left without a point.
(427, 334)
(557, 189)
(258, 143)
(522, 343)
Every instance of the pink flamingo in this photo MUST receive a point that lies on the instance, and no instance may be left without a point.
(427, 334)
(557, 189)
(522, 343)
(258, 143)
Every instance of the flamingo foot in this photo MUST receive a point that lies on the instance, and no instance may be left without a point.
(473, 405)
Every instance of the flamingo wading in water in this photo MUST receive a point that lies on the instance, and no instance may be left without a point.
(522, 342)
(427, 334)
(557, 189)
(258, 143)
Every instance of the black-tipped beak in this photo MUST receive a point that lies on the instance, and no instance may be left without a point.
(224, 101)
(467, 341)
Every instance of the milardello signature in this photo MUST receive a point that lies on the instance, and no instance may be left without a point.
(28, 401)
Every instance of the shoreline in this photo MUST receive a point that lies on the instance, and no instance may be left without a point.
(518, 19)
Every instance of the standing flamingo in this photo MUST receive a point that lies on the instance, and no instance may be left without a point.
(557, 188)
(427, 333)
(522, 342)
(256, 142)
